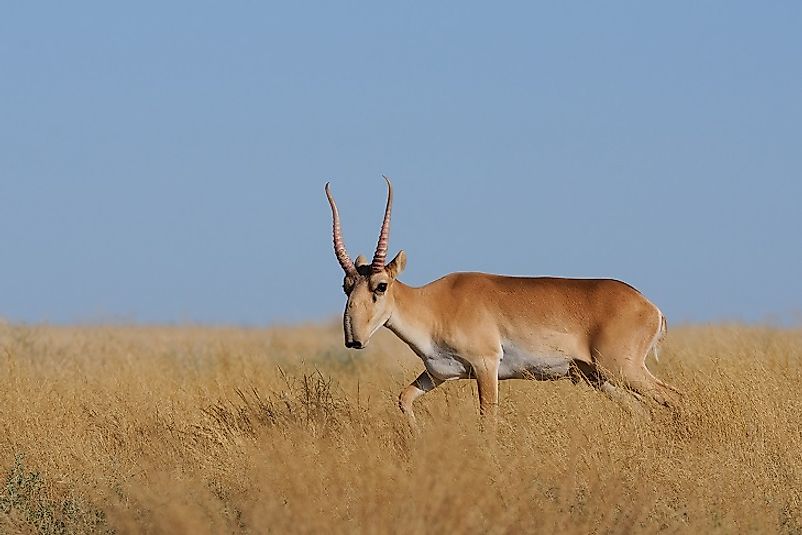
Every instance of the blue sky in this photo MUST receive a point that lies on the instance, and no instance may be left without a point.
(165, 162)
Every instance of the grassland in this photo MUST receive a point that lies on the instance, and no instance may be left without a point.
(216, 430)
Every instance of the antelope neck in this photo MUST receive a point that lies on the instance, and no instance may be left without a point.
(410, 319)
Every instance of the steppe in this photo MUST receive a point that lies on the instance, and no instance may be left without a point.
(197, 429)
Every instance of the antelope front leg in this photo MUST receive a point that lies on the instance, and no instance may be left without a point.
(487, 379)
(424, 383)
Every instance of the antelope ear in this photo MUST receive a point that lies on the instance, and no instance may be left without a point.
(362, 266)
(397, 265)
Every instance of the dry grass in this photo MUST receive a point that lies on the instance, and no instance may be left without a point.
(194, 430)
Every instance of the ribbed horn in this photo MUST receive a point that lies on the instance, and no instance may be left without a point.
(384, 236)
(339, 246)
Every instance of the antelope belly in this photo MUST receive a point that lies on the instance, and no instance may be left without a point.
(444, 366)
(518, 363)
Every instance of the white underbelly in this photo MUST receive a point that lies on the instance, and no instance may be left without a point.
(518, 363)
(445, 365)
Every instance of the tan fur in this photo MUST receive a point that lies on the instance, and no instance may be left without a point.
(464, 324)
(604, 326)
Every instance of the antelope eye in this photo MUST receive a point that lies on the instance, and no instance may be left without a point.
(381, 287)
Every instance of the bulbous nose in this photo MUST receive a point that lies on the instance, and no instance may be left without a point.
(354, 344)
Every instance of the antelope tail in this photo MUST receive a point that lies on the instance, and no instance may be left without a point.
(661, 333)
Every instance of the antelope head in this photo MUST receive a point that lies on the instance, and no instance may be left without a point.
(368, 285)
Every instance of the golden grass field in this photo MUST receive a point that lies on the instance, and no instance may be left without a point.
(227, 430)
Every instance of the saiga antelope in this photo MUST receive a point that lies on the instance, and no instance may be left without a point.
(493, 327)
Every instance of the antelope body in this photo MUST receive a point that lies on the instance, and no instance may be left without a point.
(493, 327)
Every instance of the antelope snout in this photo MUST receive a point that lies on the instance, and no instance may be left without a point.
(354, 344)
